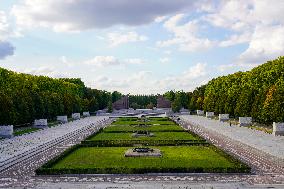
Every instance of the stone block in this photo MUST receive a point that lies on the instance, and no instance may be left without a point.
(86, 114)
(62, 119)
(6, 131)
(245, 121)
(200, 112)
(40, 123)
(76, 116)
(209, 114)
(224, 117)
(278, 129)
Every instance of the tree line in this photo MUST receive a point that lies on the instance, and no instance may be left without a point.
(25, 97)
(258, 93)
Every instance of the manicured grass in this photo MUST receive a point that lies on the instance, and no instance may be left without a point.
(25, 131)
(182, 151)
(157, 136)
(127, 128)
(174, 159)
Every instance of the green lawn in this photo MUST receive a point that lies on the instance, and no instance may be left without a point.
(174, 158)
(127, 128)
(182, 151)
(157, 136)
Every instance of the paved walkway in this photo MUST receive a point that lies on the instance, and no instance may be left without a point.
(273, 145)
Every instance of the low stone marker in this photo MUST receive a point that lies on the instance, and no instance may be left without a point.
(209, 114)
(6, 131)
(278, 129)
(40, 123)
(62, 119)
(200, 112)
(224, 117)
(86, 114)
(76, 116)
(245, 121)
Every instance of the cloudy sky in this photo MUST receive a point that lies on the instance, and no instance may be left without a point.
(139, 47)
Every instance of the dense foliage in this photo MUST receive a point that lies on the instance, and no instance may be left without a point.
(25, 97)
(258, 93)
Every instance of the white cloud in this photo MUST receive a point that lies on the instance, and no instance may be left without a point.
(236, 39)
(188, 80)
(185, 35)
(105, 61)
(78, 15)
(148, 82)
(164, 60)
(160, 19)
(134, 61)
(4, 26)
(258, 23)
(116, 38)
(266, 43)
(102, 61)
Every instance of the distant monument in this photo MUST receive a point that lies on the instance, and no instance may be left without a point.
(122, 103)
(162, 102)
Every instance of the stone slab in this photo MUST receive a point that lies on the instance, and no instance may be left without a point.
(209, 114)
(224, 117)
(200, 112)
(86, 114)
(76, 116)
(245, 121)
(6, 131)
(62, 119)
(278, 129)
(40, 123)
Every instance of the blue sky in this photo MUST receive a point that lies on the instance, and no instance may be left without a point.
(139, 47)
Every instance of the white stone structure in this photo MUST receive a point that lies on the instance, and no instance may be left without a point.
(245, 121)
(224, 117)
(6, 131)
(86, 114)
(200, 112)
(62, 119)
(209, 114)
(40, 123)
(278, 129)
(76, 116)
